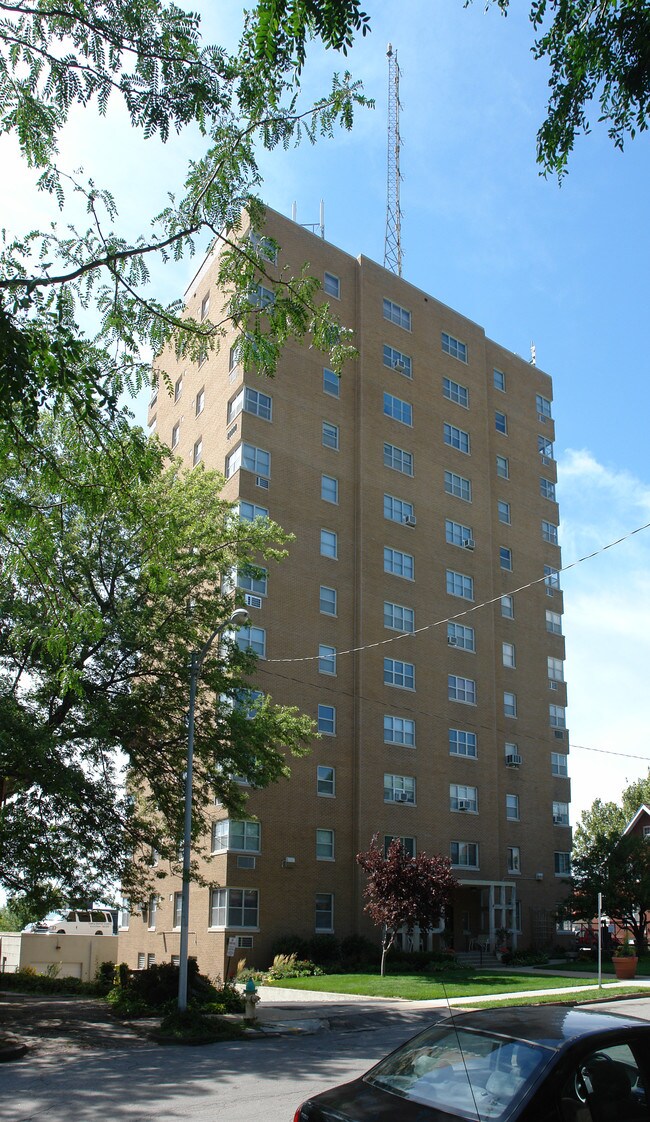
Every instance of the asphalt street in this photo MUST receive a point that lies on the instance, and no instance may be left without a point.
(123, 1077)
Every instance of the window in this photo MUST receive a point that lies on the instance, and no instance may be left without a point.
(251, 401)
(141, 960)
(331, 383)
(151, 960)
(555, 669)
(512, 808)
(197, 452)
(562, 864)
(326, 659)
(398, 563)
(253, 579)
(561, 814)
(559, 764)
(514, 859)
(461, 689)
(499, 380)
(249, 458)
(554, 623)
(328, 544)
(453, 347)
(398, 673)
(264, 248)
(545, 447)
(324, 845)
(458, 486)
(327, 720)
(505, 558)
(200, 402)
(328, 600)
(234, 357)
(250, 511)
(398, 618)
(325, 781)
(543, 406)
(398, 459)
(408, 845)
(508, 653)
(178, 388)
(397, 315)
(260, 296)
(330, 436)
(462, 743)
(125, 915)
(547, 489)
(205, 306)
(463, 798)
(202, 357)
(152, 909)
(399, 789)
(549, 532)
(178, 907)
(456, 438)
(329, 489)
(508, 607)
(396, 510)
(503, 511)
(500, 422)
(332, 285)
(252, 639)
(395, 360)
(246, 702)
(399, 730)
(458, 584)
(464, 854)
(503, 467)
(557, 716)
(551, 577)
(324, 913)
(509, 703)
(457, 534)
(231, 834)
(234, 907)
(399, 410)
(460, 636)
(176, 432)
(453, 391)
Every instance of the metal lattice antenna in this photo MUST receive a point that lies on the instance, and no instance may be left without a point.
(393, 243)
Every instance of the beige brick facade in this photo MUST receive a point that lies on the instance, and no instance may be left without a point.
(400, 479)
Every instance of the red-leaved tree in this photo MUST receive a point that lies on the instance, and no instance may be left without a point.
(404, 891)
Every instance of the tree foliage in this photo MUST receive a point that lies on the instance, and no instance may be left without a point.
(151, 56)
(596, 52)
(607, 860)
(403, 891)
(111, 569)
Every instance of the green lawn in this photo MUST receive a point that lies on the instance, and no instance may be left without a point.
(419, 987)
(568, 995)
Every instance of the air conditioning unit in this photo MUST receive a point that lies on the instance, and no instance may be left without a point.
(559, 734)
(513, 760)
(550, 592)
(261, 481)
(252, 601)
(552, 685)
(399, 367)
(400, 796)
(452, 640)
(546, 461)
(463, 804)
(231, 432)
(409, 520)
(557, 819)
(542, 418)
(469, 543)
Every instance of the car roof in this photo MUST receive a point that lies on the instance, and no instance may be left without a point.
(551, 1025)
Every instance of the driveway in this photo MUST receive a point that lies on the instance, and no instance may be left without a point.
(55, 1023)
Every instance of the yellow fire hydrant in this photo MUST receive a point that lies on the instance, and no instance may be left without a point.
(251, 998)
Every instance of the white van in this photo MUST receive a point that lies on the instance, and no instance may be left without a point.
(82, 923)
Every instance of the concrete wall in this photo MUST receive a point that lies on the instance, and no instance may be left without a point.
(77, 956)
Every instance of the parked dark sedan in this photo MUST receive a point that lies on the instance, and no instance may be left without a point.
(543, 1064)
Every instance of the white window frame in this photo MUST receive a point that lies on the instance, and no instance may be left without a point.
(560, 765)
(509, 704)
(325, 844)
(223, 840)
(397, 510)
(461, 793)
(398, 563)
(398, 459)
(549, 532)
(557, 716)
(459, 584)
(323, 781)
(397, 617)
(543, 406)
(504, 513)
(509, 655)
(252, 639)
(503, 467)
(332, 285)
(399, 730)
(560, 814)
(396, 360)
(402, 786)
(501, 422)
(396, 314)
(513, 860)
(562, 863)
(512, 808)
(332, 600)
(457, 534)
(458, 486)
(199, 404)
(461, 690)
(554, 622)
(555, 669)
(505, 558)
(455, 392)
(399, 674)
(498, 380)
(461, 636)
(329, 544)
(456, 438)
(223, 906)
(330, 436)
(547, 489)
(463, 743)
(176, 435)
(326, 659)
(250, 511)
(508, 606)
(329, 489)
(322, 910)
(331, 383)
(197, 452)
(464, 854)
(326, 719)
(454, 347)
(398, 409)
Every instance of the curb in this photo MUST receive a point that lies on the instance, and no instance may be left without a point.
(11, 1049)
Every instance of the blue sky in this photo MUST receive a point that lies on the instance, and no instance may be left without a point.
(565, 267)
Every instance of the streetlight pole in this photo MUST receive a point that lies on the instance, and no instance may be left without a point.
(238, 618)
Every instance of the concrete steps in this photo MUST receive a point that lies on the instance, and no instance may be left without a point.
(484, 959)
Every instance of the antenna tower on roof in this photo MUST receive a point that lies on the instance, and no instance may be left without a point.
(393, 243)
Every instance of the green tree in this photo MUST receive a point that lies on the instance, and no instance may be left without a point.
(596, 53)
(112, 566)
(82, 52)
(607, 860)
(403, 891)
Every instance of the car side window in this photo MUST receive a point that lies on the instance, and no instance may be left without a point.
(606, 1086)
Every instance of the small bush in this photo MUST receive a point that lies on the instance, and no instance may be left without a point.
(288, 966)
(356, 950)
(524, 958)
(323, 949)
(290, 944)
(144, 991)
(191, 1027)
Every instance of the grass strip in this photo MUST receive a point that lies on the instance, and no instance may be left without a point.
(418, 987)
(575, 997)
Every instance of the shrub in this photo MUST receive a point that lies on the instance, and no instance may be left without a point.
(524, 958)
(191, 1027)
(290, 944)
(288, 966)
(143, 991)
(323, 949)
(356, 950)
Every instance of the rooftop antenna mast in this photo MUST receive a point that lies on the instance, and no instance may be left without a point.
(393, 243)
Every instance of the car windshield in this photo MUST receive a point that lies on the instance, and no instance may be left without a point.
(469, 1074)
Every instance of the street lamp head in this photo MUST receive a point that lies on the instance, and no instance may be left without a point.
(239, 618)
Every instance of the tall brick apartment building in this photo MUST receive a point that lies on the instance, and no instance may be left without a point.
(420, 488)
